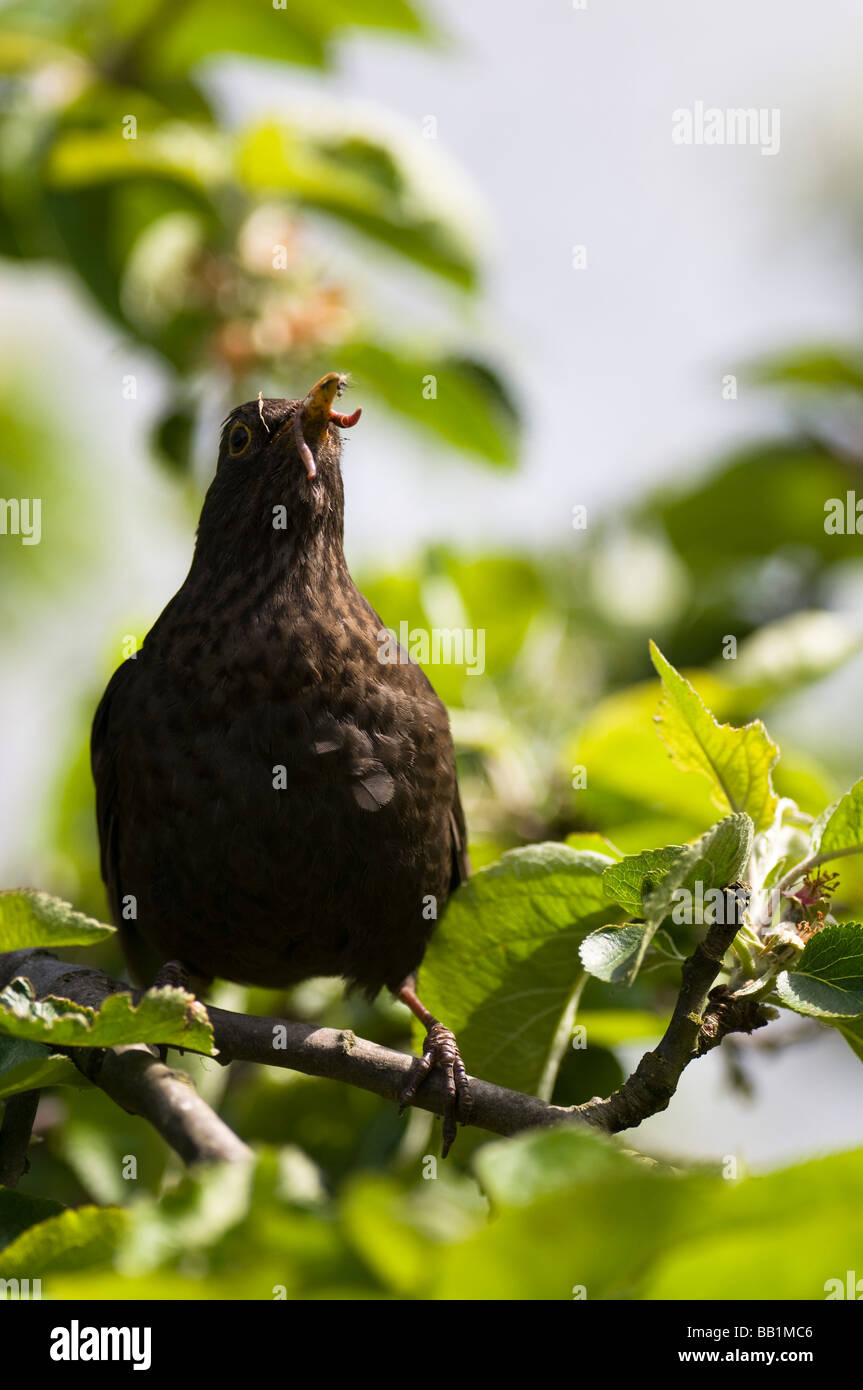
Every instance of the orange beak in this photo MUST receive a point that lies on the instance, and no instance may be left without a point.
(313, 415)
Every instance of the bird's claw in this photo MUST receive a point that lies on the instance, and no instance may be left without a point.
(441, 1050)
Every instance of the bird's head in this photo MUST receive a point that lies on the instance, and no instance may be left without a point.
(279, 472)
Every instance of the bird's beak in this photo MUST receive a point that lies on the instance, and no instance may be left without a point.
(314, 414)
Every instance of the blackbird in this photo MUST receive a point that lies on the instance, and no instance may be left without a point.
(277, 797)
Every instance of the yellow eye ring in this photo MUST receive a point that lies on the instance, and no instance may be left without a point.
(240, 439)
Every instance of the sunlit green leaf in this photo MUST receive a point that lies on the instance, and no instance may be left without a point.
(30, 918)
(503, 969)
(840, 827)
(737, 762)
(626, 882)
(161, 1016)
(827, 981)
(716, 860)
(277, 159)
(69, 1240)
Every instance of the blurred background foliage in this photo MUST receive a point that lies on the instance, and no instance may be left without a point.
(198, 243)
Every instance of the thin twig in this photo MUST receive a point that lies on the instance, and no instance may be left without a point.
(650, 1087)
(15, 1135)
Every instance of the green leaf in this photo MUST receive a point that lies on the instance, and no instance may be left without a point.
(737, 1243)
(591, 839)
(28, 1066)
(19, 1211)
(611, 1027)
(465, 411)
(503, 968)
(192, 155)
(30, 918)
(167, 1015)
(574, 1214)
(73, 1239)
(614, 954)
(626, 881)
(785, 655)
(276, 158)
(852, 1032)
(530, 1165)
(827, 981)
(717, 859)
(737, 762)
(823, 368)
(295, 32)
(840, 827)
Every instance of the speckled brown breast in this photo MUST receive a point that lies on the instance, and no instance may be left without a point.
(275, 803)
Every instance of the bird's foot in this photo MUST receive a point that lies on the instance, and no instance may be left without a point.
(441, 1050)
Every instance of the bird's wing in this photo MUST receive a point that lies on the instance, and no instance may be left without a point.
(461, 868)
(104, 762)
(105, 757)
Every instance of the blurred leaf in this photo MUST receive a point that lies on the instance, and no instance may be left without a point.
(194, 156)
(736, 761)
(375, 1226)
(161, 1016)
(292, 33)
(765, 499)
(31, 918)
(553, 1234)
(585, 1072)
(502, 969)
(21, 51)
(610, 1027)
(462, 412)
(69, 1240)
(592, 840)
(27, 1066)
(807, 367)
(739, 1245)
(782, 657)
(573, 1214)
(540, 1162)
(280, 159)
(18, 1211)
(172, 438)
(852, 1031)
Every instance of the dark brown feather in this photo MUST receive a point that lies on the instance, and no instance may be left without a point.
(267, 657)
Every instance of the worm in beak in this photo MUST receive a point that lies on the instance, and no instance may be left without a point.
(313, 415)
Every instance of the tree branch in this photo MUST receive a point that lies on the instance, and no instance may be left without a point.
(135, 1079)
(15, 1134)
(139, 1082)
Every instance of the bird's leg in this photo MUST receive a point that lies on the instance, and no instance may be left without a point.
(176, 974)
(439, 1050)
(173, 973)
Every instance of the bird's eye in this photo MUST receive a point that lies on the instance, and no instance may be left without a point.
(240, 439)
